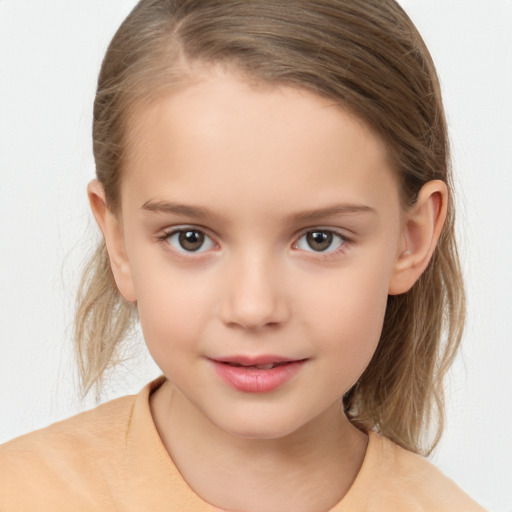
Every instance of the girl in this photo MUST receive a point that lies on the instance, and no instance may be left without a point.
(273, 189)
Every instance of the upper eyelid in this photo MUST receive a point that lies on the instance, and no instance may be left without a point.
(198, 227)
(190, 227)
(183, 227)
(323, 230)
(337, 231)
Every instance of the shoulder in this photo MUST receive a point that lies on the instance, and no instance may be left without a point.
(61, 462)
(89, 429)
(396, 479)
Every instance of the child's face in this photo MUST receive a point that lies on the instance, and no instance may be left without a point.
(260, 226)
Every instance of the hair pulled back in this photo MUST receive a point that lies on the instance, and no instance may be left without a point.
(368, 57)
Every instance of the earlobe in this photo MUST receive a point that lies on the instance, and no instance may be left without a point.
(111, 227)
(423, 224)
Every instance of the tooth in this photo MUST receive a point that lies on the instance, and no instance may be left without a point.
(268, 366)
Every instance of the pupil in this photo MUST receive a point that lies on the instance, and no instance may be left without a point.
(191, 240)
(319, 240)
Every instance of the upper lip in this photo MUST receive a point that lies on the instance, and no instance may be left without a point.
(247, 360)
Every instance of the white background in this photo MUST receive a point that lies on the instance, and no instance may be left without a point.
(50, 55)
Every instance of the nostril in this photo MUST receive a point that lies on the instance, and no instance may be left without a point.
(253, 301)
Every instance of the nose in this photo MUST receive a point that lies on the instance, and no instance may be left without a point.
(255, 297)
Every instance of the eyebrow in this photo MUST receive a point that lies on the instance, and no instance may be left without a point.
(198, 212)
(331, 211)
(182, 210)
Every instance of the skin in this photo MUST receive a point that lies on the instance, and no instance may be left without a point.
(257, 159)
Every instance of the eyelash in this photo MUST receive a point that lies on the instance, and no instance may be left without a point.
(342, 240)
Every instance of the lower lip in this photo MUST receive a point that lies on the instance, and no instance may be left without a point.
(252, 380)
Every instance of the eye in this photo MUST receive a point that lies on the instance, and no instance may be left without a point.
(320, 240)
(189, 240)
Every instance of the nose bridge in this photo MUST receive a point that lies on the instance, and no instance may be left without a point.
(255, 296)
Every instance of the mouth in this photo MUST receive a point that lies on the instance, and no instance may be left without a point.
(267, 366)
(266, 362)
(257, 374)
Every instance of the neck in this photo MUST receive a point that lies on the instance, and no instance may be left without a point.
(308, 470)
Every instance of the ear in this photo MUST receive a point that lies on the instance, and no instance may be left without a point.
(423, 224)
(112, 229)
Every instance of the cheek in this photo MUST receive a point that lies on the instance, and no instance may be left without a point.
(172, 307)
(347, 317)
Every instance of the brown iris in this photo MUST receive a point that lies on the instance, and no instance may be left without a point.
(319, 240)
(191, 240)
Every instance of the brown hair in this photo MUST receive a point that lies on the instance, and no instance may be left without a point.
(368, 57)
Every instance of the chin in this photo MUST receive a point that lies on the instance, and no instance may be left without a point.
(262, 429)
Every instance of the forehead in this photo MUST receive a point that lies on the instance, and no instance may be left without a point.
(223, 138)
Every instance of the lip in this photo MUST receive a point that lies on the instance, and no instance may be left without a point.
(239, 372)
(247, 360)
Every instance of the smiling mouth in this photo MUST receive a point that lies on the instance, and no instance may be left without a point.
(267, 366)
(263, 362)
(257, 374)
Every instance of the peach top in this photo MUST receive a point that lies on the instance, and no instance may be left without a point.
(111, 458)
